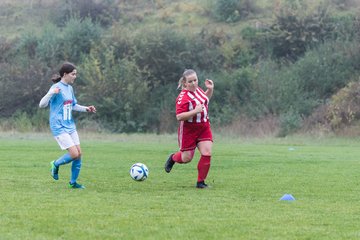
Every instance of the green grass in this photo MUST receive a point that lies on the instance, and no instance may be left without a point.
(247, 178)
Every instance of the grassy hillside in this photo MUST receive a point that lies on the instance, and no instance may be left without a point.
(191, 15)
(253, 53)
(17, 16)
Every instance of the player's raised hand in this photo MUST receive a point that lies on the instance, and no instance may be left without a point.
(209, 84)
(56, 90)
(91, 109)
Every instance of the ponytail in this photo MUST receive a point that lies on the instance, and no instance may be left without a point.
(181, 83)
(182, 80)
(55, 78)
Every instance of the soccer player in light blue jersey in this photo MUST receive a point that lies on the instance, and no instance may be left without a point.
(62, 102)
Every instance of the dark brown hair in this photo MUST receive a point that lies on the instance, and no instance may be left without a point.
(65, 68)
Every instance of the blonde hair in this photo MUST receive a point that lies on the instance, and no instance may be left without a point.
(182, 80)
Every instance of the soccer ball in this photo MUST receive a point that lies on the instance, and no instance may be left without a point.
(139, 172)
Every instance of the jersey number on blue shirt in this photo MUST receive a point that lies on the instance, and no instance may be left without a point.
(67, 110)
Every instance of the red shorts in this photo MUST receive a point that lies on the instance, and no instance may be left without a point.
(190, 134)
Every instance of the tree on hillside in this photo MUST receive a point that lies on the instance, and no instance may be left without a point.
(293, 32)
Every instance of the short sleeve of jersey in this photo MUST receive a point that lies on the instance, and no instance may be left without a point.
(182, 103)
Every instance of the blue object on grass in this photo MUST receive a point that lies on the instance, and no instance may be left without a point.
(287, 197)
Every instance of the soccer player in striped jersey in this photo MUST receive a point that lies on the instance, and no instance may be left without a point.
(62, 101)
(194, 130)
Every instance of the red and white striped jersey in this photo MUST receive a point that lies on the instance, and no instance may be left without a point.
(187, 100)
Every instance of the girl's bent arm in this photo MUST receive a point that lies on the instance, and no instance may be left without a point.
(187, 115)
(45, 100)
(209, 84)
(209, 92)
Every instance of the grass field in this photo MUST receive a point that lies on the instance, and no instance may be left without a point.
(247, 178)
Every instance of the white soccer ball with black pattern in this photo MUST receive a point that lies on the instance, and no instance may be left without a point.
(139, 172)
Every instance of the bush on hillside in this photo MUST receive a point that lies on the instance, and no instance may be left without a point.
(50, 46)
(6, 52)
(342, 110)
(344, 107)
(26, 44)
(292, 33)
(290, 121)
(54, 44)
(164, 54)
(294, 91)
(346, 27)
(233, 91)
(345, 4)
(78, 38)
(22, 85)
(234, 10)
(296, 30)
(326, 69)
(117, 88)
(102, 12)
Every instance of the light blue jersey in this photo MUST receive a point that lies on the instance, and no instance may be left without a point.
(61, 105)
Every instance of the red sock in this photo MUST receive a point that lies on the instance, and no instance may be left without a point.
(177, 157)
(203, 167)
